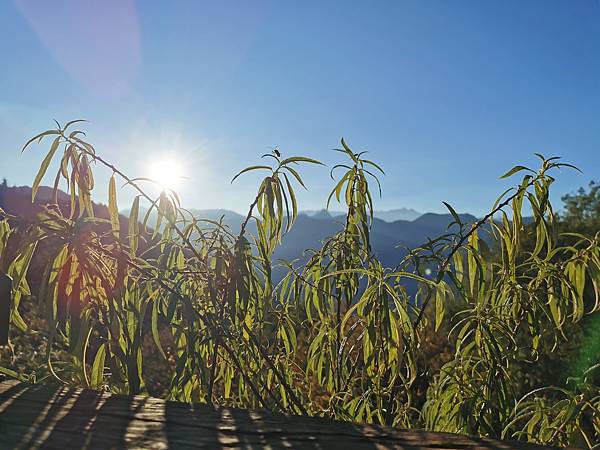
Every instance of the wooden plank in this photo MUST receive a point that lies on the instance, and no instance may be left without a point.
(39, 417)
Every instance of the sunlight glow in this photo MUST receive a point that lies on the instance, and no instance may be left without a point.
(167, 172)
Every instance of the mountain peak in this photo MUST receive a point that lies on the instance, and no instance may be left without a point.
(442, 220)
(392, 215)
(322, 214)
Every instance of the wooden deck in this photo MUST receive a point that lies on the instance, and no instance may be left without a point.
(33, 416)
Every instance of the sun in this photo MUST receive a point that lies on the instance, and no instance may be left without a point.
(167, 172)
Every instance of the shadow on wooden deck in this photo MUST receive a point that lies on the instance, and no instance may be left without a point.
(33, 416)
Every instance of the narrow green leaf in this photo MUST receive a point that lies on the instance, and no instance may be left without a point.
(249, 169)
(113, 208)
(134, 225)
(39, 137)
(44, 167)
(515, 170)
(155, 333)
(97, 374)
(297, 159)
(440, 306)
(453, 212)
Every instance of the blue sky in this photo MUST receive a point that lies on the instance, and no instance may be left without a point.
(446, 95)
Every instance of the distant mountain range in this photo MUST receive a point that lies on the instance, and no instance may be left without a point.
(389, 238)
(390, 215)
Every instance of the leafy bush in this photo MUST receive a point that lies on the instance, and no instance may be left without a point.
(340, 335)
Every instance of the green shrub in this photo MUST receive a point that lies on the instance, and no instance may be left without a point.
(340, 335)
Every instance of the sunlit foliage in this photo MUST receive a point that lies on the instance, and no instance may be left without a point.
(340, 335)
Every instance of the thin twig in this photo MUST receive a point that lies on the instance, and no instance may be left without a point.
(444, 265)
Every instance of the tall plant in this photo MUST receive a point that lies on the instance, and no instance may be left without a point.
(340, 335)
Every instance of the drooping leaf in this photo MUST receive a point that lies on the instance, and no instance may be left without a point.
(44, 167)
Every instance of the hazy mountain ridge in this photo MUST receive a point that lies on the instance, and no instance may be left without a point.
(389, 215)
(389, 240)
